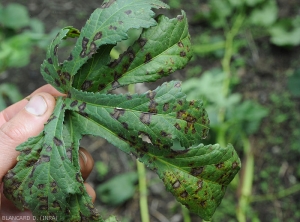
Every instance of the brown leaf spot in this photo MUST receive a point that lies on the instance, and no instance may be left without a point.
(165, 134)
(196, 171)
(79, 178)
(84, 43)
(101, 86)
(86, 85)
(57, 141)
(55, 50)
(180, 44)
(82, 107)
(166, 107)
(46, 70)
(107, 4)
(50, 61)
(177, 85)
(83, 53)
(152, 106)
(151, 94)
(49, 148)
(30, 163)
(115, 84)
(57, 82)
(184, 194)
(55, 204)
(74, 103)
(93, 48)
(43, 207)
(180, 114)
(219, 165)
(117, 113)
(235, 164)
(69, 153)
(192, 103)
(142, 42)
(128, 12)
(45, 158)
(146, 118)
(203, 203)
(70, 58)
(176, 184)
(26, 151)
(67, 76)
(148, 57)
(53, 184)
(182, 54)
(41, 186)
(200, 184)
(112, 27)
(97, 36)
(180, 17)
(125, 125)
(177, 126)
(30, 184)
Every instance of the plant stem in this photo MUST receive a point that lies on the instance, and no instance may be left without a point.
(143, 192)
(246, 180)
(186, 214)
(231, 34)
(142, 180)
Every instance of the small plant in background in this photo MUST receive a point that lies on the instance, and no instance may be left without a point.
(19, 34)
(143, 125)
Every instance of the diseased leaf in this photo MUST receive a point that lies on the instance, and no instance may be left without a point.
(197, 176)
(162, 115)
(158, 52)
(47, 178)
(109, 25)
(50, 69)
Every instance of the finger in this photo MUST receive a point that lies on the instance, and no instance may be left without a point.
(91, 192)
(12, 110)
(29, 122)
(86, 162)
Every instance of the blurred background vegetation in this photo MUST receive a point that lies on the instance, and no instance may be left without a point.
(246, 69)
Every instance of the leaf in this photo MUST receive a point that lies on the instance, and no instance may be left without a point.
(108, 25)
(14, 16)
(158, 52)
(162, 115)
(45, 180)
(197, 176)
(118, 189)
(51, 69)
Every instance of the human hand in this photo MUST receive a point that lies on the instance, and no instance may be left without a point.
(20, 121)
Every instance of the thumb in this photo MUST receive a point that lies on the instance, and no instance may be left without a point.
(29, 122)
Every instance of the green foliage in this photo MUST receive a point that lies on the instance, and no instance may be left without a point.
(118, 189)
(9, 94)
(18, 35)
(241, 116)
(294, 83)
(47, 178)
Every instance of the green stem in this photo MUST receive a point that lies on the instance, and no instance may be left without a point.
(142, 180)
(246, 181)
(231, 34)
(185, 214)
(143, 192)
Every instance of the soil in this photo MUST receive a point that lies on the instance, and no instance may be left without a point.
(259, 79)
